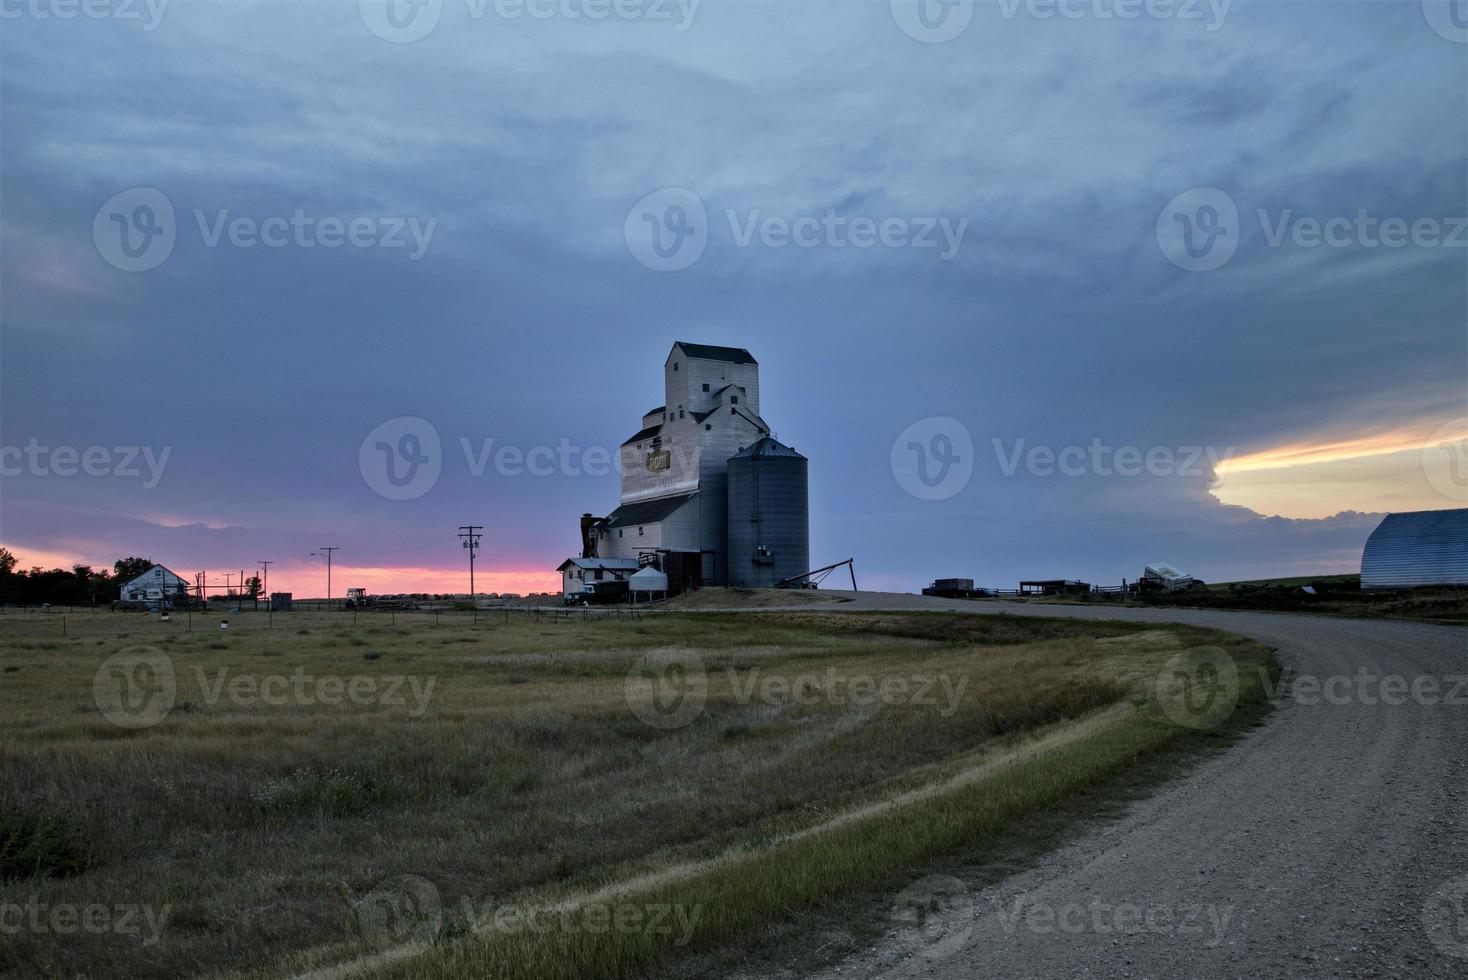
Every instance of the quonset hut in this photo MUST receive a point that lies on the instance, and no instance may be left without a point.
(1426, 547)
(709, 497)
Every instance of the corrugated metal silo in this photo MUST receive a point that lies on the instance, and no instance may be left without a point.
(769, 515)
(1428, 547)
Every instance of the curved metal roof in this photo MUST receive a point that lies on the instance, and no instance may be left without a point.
(1428, 547)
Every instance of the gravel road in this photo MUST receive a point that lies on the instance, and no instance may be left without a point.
(1332, 841)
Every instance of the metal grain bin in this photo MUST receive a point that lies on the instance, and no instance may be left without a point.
(769, 515)
(1428, 547)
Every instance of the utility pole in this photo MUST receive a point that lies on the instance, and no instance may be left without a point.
(326, 551)
(470, 534)
(264, 582)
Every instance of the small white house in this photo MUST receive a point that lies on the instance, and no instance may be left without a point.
(578, 575)
(155, 585)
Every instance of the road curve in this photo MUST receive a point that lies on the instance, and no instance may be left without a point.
(1331, 841)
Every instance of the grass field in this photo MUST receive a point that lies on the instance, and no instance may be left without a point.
(534, 795)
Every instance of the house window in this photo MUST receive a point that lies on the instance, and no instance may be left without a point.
(639, 532)
(675, 365)
(733, 399)
(705, 387)
(619, 532)
(707, 427)
(680, 413)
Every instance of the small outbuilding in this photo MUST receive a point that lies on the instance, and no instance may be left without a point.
(1426, 547)
(1161, 575)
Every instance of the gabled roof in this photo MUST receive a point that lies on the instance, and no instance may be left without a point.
(708, 352)
(610, 564)
(646, 433)
(149, 574)
(648, 511)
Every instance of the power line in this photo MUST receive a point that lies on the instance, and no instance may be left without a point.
(470, 534)
(327, 552)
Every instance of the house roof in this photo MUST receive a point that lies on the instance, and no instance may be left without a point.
(708, 352)
(646, 433)
(610, 564)
(648, 511)
(766, 448)
(168, 576)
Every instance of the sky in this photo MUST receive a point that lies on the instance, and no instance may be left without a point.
(1042, 288)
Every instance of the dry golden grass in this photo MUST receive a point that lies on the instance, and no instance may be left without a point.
(513, 769)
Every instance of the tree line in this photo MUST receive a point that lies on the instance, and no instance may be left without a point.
(81, 585)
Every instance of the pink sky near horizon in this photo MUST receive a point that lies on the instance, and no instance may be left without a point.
(308, 580)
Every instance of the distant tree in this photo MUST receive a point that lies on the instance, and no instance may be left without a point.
(252, 587)
(127, 569)
(8, 561)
